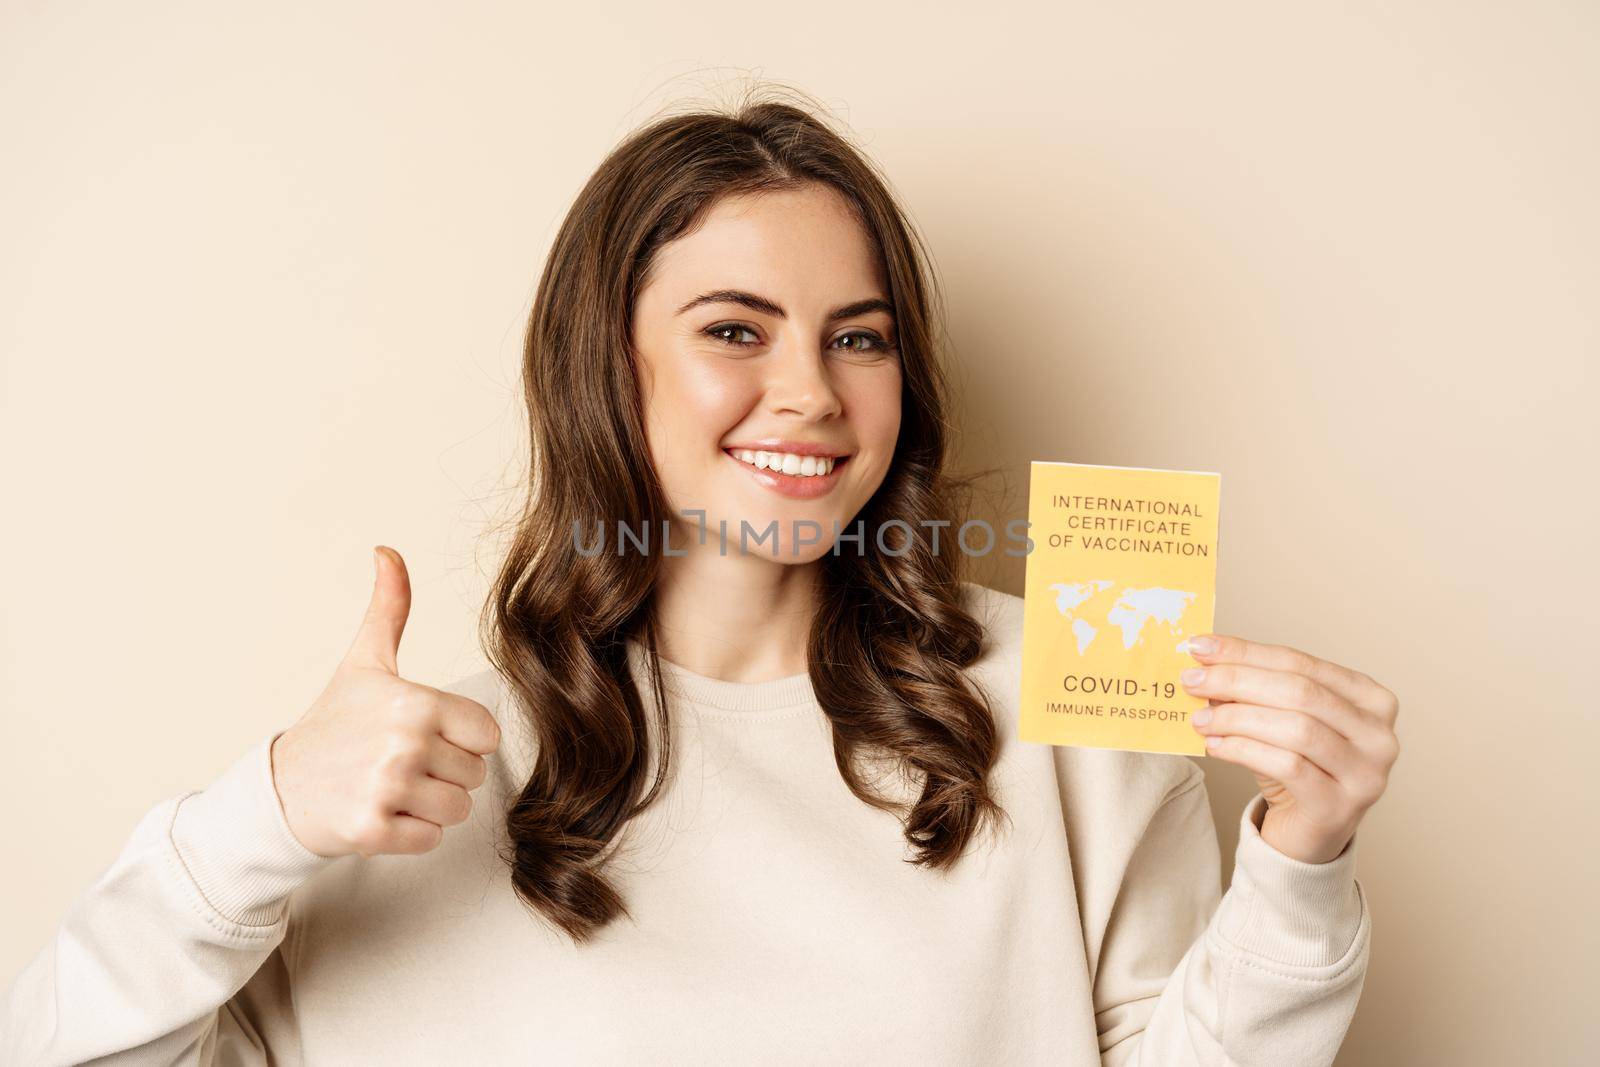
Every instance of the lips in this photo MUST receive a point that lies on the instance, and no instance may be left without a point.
(793, 486)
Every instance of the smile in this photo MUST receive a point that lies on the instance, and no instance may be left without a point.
(786, 462)
(790, 475)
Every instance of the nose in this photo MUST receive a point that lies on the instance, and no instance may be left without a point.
(799, 383)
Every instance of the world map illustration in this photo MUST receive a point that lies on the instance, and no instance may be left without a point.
(1131, 612)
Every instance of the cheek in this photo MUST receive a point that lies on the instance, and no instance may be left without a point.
(709, 400)
(691, 409)
(874, 402)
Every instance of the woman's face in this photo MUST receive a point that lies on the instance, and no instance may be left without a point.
(766, 335)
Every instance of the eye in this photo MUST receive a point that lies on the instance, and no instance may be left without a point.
(876, 344)
(725, 327)
(863, 340)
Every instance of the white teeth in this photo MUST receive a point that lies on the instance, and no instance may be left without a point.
(787, 462)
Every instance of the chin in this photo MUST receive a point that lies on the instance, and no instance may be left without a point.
(810, 554)
(816, 524)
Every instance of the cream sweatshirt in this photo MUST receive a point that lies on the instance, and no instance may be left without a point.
(775, 920)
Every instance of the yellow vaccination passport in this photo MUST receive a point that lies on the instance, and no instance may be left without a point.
(1122, 572)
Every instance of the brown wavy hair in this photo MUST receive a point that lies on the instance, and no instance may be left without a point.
(887, 649)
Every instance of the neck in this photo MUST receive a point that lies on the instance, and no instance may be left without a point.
(738, 618)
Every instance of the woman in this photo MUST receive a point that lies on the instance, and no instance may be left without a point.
(748, 798)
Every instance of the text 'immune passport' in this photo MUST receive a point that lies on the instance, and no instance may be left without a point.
(1122, 573)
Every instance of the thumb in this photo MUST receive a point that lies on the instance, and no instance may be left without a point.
(377, 643)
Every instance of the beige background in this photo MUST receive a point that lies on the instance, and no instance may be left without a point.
(265, 273)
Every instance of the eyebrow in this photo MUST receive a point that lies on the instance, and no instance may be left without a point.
(768, 307)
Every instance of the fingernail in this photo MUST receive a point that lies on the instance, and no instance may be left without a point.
(1202, 716)
(1203, 645)
(1213, 740)
(1192, 675)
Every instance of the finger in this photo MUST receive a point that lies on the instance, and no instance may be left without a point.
(443, 803)
(1266, 687)
(409, 835)
(1304, 779)
(451, 763)
(467, 724)
(377, 643)
(1359, 689)
(1291, 730)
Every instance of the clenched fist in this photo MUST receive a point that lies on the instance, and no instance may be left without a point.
(379, 764)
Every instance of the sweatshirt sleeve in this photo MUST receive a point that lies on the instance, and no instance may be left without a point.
(1268, 975)
(147, 964)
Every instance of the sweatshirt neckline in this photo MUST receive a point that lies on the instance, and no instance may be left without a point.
(699, 690)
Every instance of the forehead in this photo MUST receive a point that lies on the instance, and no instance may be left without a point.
(804, 244)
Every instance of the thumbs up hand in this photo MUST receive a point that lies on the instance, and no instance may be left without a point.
(377, 764)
